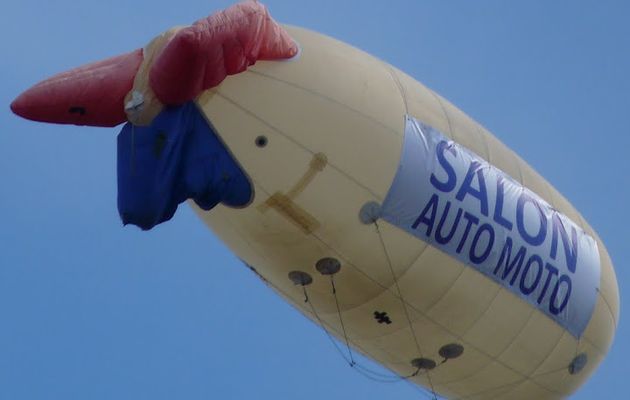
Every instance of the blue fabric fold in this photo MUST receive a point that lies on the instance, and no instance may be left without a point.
(177, 157)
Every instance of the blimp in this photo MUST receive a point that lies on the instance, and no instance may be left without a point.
(401, 227)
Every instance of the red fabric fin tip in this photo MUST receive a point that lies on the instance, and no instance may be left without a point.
(199, 57)
(92, 94)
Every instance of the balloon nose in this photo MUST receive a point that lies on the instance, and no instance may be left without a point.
(92, 94)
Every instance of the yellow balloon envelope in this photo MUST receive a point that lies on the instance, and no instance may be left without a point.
(342, 149)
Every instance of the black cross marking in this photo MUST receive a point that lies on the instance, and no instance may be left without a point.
(382, 317)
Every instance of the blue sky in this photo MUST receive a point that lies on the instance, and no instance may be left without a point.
(92, 310)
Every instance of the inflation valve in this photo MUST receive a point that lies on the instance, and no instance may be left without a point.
(328, 266)
(303, 279)
(578, 363)
(422, 363)
(451, 350)
(370, 212)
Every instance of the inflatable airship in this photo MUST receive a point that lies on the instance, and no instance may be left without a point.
(379, 210)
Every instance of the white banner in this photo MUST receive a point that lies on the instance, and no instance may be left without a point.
(451, 198)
